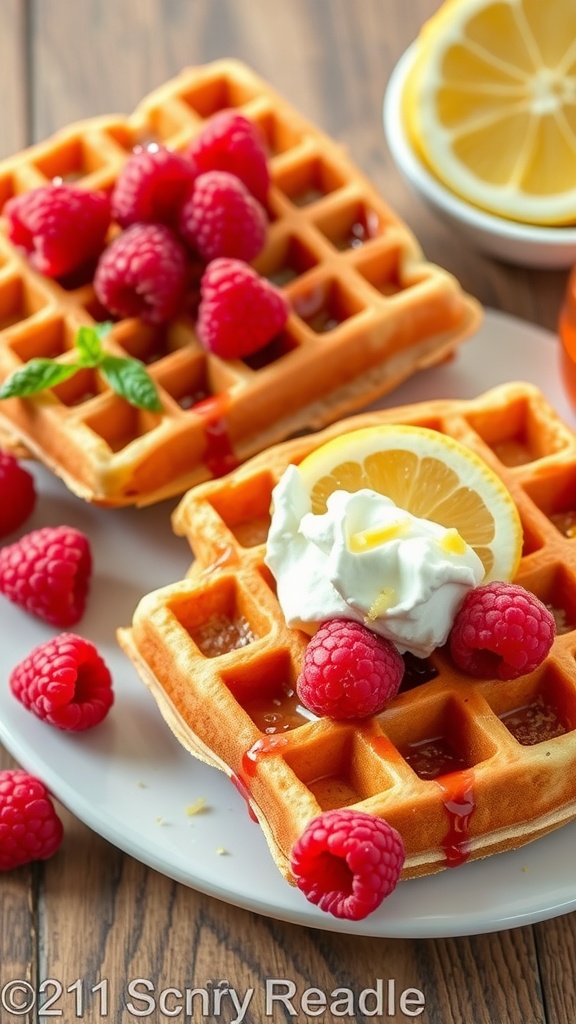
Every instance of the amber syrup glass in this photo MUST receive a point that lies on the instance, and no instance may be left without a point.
(567, 331)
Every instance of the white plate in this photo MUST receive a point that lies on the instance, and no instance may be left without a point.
(130, 780)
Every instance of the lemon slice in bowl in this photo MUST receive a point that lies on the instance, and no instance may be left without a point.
(428, 474)
(490, 105)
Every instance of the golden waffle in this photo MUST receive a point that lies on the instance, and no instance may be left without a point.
(367, 309)
(461, 767)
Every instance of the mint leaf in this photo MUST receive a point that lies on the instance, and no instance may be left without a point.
(88, 341)
(130, 379)
(35, 376)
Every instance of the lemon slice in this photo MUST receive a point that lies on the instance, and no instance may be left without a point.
(490, 105)
(430, 475)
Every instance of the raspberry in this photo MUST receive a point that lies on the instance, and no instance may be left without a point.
(501, 630)
(65, 682)
(239, 311)
(58, 226)
(142, 273)
(152, 187)
(30, 829)
(222, 218)
(347, 862)
(230, 142)
(47, 573)
(17, 494)
(348, 671)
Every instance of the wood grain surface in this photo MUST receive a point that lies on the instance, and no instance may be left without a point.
(92, 913)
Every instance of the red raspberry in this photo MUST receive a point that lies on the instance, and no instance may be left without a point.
(347, 862)
(47, 573)
(349, 672)
(142, 273)
(30, 829)
(17, 494)
(59, 227)
(501, 630)
(65, 682)
(228, 141)
(222, 218)
(152, 187)
(239, 311)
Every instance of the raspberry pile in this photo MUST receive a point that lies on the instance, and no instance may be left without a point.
(349, 671)
(17, 494)
(65, 682)
(501, 631)
(47, 572)
(346, 862)
(30, 828)
(169, 214)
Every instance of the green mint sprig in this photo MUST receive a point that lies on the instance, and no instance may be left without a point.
(128, 377)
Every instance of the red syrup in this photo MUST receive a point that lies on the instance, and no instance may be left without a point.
(261, 748)
(219, 454)
(459, 804)
(244, 793)
(382, 746)
(458, 798)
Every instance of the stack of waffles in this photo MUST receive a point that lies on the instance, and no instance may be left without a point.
(367, 310)
(462, 767)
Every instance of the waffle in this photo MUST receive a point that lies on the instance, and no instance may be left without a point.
(461, 767)
(367, 310)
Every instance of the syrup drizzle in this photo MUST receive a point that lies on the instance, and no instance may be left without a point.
(244, 793)
(382, 746)
(459, 804)
(261, 748)
(458, 797)
(279, 713)
(219, 454)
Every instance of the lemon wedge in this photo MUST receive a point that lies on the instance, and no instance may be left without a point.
(490, 105)
(430, 475)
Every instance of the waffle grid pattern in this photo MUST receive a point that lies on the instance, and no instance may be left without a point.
(367, 309)
(462, 767)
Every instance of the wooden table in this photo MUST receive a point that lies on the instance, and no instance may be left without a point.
(92, 913)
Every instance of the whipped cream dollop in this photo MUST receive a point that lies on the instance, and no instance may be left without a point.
(368, 560)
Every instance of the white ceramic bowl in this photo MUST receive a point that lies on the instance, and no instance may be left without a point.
(524, 244)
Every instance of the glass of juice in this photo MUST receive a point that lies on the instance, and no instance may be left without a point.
(567, 331)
